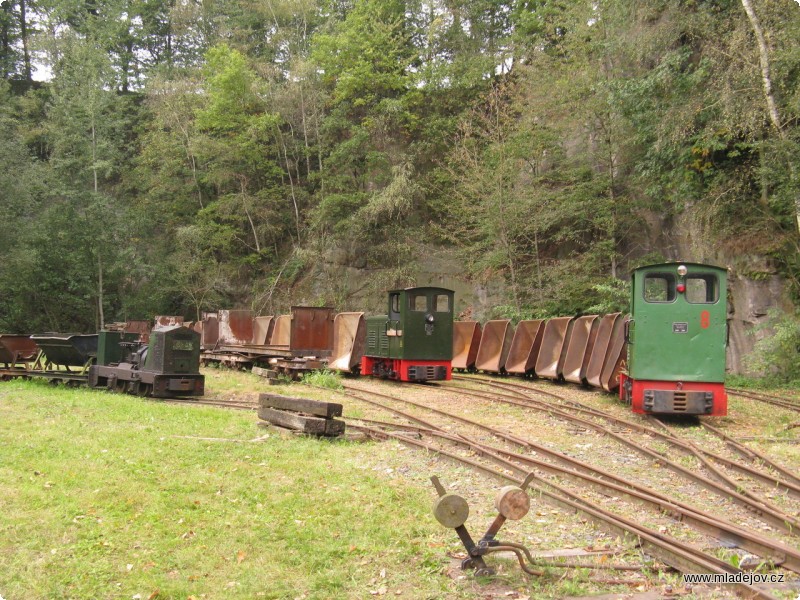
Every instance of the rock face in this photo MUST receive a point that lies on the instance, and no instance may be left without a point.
(750, 301)
(356, 287)
(754, 287)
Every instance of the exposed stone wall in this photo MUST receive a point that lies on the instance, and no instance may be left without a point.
(754, 287)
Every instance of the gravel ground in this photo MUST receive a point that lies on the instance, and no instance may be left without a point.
(547, 528)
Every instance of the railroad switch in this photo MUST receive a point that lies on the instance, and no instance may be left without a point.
(511, 502)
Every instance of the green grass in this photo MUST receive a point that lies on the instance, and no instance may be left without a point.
(331, 380)
(761, 383)
(111, 496)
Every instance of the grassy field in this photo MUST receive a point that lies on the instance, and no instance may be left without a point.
(111, 496)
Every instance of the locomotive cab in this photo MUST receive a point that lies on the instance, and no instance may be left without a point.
(169, 365)
(414, 341)
(677, 337)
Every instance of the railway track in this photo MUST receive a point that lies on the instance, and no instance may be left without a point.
(719, 482)
(669, 550)
(766, 398)
(507, 460)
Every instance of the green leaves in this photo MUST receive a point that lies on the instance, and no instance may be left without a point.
(231, 98)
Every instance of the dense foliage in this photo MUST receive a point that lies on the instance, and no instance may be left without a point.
(182, 156)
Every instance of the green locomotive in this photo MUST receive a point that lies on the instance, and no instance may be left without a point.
(168, 365)
(677, 337)
(414, 341)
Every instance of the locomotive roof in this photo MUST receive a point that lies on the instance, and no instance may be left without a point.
(423, 287)
(676, 263)
(171, 328)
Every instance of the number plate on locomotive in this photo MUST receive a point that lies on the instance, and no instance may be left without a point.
(680, 328)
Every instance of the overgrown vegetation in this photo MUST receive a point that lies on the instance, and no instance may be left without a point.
(187, 156)
(324, 378)
(110, 496)
(777, 354)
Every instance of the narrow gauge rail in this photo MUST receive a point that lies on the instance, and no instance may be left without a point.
(790, 485)
(677, 554)
(730, 532)
(758, 506)
(767, 399)
(68, 378)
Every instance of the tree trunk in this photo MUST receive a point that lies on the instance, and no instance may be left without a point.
(100, 290)
(249, 218)
(305, 131)
(291, 186)
(6, 41)
(94, 154)
(23, 33)
(766, 80)
(763, 53)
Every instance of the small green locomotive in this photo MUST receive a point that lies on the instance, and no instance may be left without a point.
(166, 366)
(414, 341)
(677, 338)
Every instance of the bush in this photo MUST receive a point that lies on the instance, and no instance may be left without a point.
(778, 354)
(324, 378)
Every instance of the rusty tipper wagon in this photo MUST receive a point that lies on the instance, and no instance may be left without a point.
(414, 342)
(677, 336)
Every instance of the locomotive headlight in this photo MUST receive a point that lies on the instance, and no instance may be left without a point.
(429, 318)
(682, 270)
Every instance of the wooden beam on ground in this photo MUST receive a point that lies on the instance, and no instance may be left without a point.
(265, 373)
(326, 410)
(306, 424)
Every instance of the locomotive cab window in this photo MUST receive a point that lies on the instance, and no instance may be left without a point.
(442, 303)
(182, 345)
(395, 303)
(418, 302)
(659, 287)
(702, 289)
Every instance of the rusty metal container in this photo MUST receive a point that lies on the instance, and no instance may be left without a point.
(235, 326)
(349, 340)
(551, 355)
(209, 334)
(16, 348)
(466, 340)
(579, 347)
(67, 350)
(168, 320)
(494, 346)
(281, 331)
(311, 331)
(600, 350)
(525, 347)
(616, 356)
(262, 330)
